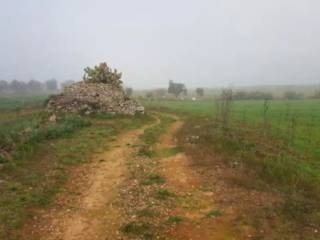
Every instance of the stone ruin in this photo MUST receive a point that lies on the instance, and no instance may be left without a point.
(97, 94)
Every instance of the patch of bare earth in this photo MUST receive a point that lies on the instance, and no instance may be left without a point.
(209, 206)
(111, 198)
(88, 209)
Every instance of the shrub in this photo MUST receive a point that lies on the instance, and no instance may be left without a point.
(154, 178)
(164, 194)
(102, 74)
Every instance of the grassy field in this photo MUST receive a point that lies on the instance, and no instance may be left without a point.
(279, 148)
(36, 154)
(278, 144)
(296, 122)
(18, 103)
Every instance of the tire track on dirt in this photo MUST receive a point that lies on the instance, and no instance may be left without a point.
(89, 209)
(194, 202)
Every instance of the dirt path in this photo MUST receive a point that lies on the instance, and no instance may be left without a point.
(202, 218)
(196, 204)
(110, 193)
(208, 205)
(87, 210)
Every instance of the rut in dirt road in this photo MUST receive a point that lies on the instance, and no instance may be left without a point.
(89, 211)
(108, 198)
(194, 203)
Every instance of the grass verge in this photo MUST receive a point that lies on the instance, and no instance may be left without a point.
(41, 161)
(269, 163)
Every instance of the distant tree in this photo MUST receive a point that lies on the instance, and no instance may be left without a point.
(292, 95)
(129, 91)
(102, 73)
(18, 86)
(67, 83)
(52, 85)
(200, 92)
(4, 86)
(35, 86)
(176, 88)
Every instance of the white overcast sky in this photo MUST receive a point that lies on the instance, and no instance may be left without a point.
(200, 42)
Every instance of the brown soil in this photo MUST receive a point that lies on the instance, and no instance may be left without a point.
(195, 203)
(210, 207)
(87, 210)
(93, 207)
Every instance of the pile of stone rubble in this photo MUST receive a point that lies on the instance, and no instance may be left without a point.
(87, 98)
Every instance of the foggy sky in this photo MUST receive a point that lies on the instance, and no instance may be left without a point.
(201, 42)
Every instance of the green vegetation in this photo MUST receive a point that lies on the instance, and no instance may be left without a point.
(295, 122)
(164, 194)
(36, 155)
(174, 219)
(102, 73)
(146, 213)
(153, 178)
(18, 103)
(214, 213)
(168, 152)
(276, 141)
(19, 137)
(151, 135)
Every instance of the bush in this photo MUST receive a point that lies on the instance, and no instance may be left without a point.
(21, 136)
(102, 74)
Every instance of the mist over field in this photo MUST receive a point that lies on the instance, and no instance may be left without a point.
(139, 119)
(200, 43)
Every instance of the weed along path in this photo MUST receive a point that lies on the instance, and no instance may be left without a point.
(142, 187)
(168, 198)
(88, 209)
(197, 217)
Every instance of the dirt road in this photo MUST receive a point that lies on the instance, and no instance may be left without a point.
(87, 210)
(106, 199)
(196, 204)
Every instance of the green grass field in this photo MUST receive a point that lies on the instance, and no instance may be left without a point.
(18, 103)
(297, 122)
(280, 148)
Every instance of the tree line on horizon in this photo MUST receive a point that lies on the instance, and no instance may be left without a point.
(174, 89)
(32, 86)
(180, 90)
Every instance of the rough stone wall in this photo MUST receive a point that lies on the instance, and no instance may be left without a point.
(90, 98)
